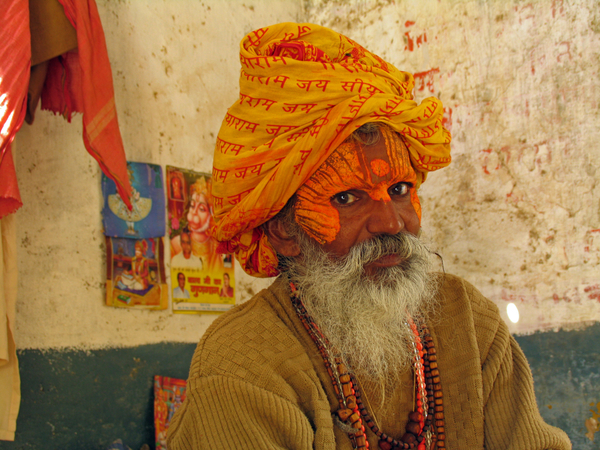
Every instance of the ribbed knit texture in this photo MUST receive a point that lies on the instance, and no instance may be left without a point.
(257, 382)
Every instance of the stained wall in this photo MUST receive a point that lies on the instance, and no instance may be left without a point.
(175, 70)
(517, 213)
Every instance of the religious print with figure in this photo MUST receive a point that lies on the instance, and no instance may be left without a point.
(136, 273)
(146, 219)
(134, 240)
(169, 394)
(202, 280)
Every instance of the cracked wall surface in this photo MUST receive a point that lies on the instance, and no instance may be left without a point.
(175, 71)
(517, 213)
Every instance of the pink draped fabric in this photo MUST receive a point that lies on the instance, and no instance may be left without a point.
(15, 63)
(81, 81)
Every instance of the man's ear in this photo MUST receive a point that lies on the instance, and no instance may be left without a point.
(280, 239)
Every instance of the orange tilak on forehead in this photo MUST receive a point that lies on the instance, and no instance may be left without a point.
(379, 167)
(352, 167)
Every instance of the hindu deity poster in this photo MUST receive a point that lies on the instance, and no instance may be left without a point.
(169, 394)
(136, 273)
(147, 217)
(201, 279)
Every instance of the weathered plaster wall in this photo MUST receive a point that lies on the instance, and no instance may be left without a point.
(175, 69)
(517, 213)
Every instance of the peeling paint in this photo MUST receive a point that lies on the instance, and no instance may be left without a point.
(517, 213)
(591, 424)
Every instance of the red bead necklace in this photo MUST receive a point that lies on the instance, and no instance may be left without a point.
(353, 414)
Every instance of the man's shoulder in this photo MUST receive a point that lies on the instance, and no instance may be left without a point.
(249, 341)
(464, 311)
(456, 292)
(252, 322)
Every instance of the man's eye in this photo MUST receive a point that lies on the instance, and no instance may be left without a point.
(344, 198)
(399, 189)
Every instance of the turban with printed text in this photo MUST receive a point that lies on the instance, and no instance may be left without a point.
(303, 90)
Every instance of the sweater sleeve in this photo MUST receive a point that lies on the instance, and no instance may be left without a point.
(228, 413)
(512, 418)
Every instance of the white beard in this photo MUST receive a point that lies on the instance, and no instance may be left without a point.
(364, 317)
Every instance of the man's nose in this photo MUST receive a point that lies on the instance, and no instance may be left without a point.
(384, 218)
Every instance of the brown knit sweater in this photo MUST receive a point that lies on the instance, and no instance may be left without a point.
(257, 382)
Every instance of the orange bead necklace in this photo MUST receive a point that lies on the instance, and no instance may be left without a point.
(353, 414)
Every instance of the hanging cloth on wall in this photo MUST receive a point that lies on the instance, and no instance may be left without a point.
(80, 80)
(51, 35)
(10, 382)
(71, 72)
(15, 55)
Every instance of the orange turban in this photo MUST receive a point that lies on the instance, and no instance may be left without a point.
(303, 90)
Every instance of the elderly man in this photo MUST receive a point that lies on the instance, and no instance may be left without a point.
(357, 344)
(186, 259)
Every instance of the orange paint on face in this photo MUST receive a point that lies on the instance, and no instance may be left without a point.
(380, 167)
(352, 167)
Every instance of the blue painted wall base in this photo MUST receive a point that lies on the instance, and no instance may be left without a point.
(566, 374)
(77, 400)
(74, 400)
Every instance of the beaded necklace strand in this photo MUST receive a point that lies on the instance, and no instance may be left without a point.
(353, 414)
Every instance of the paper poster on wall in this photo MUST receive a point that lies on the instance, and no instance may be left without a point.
(169, 394)
(147, 218)
(136, 273)
(201, 279)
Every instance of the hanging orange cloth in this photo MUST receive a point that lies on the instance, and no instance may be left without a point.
(303, 90)
(81, 81)
(15, 55)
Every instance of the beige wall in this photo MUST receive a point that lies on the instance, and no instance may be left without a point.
(517, 213)
(175, 69)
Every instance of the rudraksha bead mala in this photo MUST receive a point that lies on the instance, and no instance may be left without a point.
(353, 414)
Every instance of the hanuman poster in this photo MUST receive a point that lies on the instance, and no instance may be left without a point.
(201, 279)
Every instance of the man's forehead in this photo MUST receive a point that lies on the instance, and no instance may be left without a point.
(384, 159)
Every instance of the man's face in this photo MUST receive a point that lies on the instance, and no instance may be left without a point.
(199, 213)
(181, 280)
(369, 189)
(186, 245)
